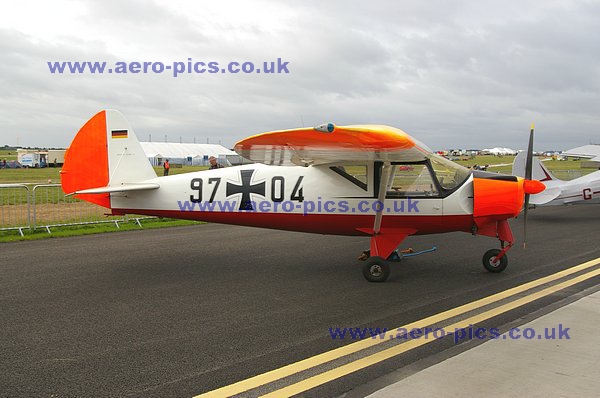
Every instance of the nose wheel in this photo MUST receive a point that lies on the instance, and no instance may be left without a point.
(493, 262)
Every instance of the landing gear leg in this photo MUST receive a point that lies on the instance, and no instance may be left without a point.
(381, 253)
(377, 269)
(396, 255)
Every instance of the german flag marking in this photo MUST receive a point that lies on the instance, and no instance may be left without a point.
(119, 134)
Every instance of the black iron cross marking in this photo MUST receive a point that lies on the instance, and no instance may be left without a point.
(246, 189)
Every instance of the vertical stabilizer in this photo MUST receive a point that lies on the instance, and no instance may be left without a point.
(105, 152)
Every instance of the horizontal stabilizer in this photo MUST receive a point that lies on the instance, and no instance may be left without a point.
(120, 188)
(548, 195)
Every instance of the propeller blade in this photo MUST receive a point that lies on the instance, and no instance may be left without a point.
(529, 164)
(525, 221)
(528, 172)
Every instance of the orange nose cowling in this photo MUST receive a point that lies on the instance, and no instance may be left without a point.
(533, 186)
(500, 199)
(497, 199)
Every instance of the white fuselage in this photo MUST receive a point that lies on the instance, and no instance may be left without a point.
(293, 194)
(581, 190)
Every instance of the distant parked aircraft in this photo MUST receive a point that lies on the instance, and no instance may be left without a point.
(584, 189)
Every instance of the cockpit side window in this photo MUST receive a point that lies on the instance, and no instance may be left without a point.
(411, 180)
(356, 174)
(449, 174)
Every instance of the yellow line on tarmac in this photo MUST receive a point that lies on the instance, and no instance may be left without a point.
(351, 367)
(285, 371)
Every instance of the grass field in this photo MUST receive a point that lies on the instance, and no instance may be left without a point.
(180, 170)
(53, 207)
(89, 229)
(8, 155)
(563, 169)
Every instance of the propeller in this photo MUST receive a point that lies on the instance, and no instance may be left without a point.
(528, 172)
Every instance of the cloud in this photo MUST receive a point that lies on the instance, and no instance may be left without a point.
(459, 74)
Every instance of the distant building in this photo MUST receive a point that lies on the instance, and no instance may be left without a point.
(550, 154)
(188, 154)
(499, 151)
(41, 157)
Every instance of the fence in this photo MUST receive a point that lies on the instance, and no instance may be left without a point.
(15, 208)
(45, 206)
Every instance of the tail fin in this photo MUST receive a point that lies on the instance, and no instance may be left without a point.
(539, 171)
(104, 153)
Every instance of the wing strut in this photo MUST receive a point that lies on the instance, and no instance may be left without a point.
(385, 240)
(386, 179)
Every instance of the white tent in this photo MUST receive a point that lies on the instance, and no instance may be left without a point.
(500, 151)
(155, 158)
(188, 154)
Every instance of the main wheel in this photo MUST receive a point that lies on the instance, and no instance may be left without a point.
(493, 264)
(376, 269)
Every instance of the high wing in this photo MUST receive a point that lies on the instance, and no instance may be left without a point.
(591, 152)
(332, 144)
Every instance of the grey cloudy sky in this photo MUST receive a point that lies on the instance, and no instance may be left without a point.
(451, 73)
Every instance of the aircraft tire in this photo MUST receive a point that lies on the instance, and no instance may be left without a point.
(491, 264)
(376, 269)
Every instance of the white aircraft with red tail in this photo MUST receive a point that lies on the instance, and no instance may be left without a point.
(367, 180)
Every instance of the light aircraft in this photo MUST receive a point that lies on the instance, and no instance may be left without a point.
(580, 190)
(365, 180)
